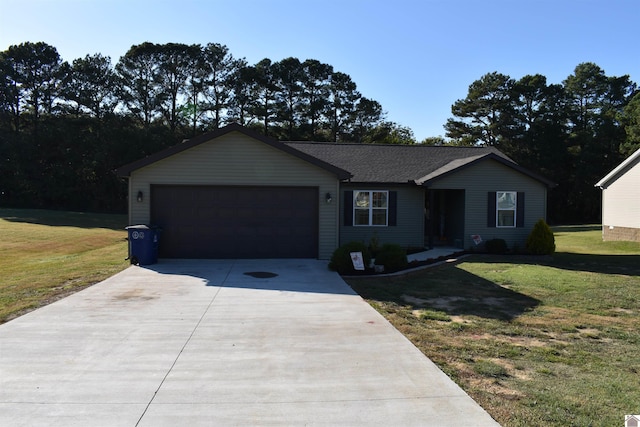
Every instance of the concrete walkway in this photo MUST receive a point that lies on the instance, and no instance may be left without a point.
(202, 343)
(435, 253)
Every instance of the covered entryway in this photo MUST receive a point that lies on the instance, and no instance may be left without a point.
(202, 221)
(444, 218)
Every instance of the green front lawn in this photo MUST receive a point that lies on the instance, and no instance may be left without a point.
(551, 341)
(45, 255)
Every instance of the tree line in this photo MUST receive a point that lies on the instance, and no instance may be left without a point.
(190, 89)
(573, 133)
(65, 127)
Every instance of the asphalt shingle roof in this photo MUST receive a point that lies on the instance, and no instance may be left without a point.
(360, 163)
(394, 163)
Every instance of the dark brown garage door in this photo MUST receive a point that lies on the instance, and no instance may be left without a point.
(236, 222)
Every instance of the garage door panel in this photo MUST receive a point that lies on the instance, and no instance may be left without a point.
(236, 222)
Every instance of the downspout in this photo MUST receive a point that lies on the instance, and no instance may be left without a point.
(129, 200)
(601, 187)
(338, 212)
(430, 217)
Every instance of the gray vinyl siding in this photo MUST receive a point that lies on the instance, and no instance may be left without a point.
(409, 231)
(489, 176)
(237, 159)
(621, 200)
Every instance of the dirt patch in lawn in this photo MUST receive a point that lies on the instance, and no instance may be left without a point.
(454, 304)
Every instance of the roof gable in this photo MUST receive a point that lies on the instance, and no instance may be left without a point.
(126, 170)
(621, 169)
(459, 164)
(419, 164)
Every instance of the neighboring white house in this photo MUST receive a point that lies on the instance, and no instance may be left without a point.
(621, 201)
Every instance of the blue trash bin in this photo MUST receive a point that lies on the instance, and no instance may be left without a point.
(143, 244)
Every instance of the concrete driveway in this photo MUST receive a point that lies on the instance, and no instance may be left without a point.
(203, 343)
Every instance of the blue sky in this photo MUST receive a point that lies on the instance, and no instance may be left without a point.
(414, 57)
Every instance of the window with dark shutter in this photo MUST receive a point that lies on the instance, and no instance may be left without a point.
(348, 208)
(491, 209)
(520, 210)
(505, 209)
(393, 208)
(370, 208)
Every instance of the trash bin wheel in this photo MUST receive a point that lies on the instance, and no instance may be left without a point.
(134, 260)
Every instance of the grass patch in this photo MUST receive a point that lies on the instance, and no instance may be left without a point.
(551, 341)
(434, 315)
(489, 368)
(45, 255)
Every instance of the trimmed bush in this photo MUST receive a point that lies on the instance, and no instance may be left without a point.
(541, 240)
(392, 256)
(496, 246)
(341, 258)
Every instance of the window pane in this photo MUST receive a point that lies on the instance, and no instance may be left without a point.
(370, 208)
(361, 199)
(379, 217)
(361, 217)
(506, 200)
(380, 199)
(506, 218)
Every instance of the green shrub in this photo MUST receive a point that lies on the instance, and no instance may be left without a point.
(392, 256)
(496, 246)
(341, 258)
(541, 240)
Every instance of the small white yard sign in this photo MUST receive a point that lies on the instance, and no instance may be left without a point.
(357, 260)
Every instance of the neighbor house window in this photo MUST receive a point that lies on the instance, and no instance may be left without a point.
(506, 208)
(370, 208)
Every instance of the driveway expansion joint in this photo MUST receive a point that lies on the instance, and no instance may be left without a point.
(175, 361)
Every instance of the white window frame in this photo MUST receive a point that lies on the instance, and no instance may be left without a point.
(370, 208)
(514, 209)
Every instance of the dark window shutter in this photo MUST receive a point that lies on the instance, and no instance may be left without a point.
(520, 210)
(491, 209)
(393, 209)
(348, 208)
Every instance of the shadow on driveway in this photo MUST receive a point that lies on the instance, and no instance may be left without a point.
(309, 276)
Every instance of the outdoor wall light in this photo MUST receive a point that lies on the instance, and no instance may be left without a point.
(327, 197)
(139, 197)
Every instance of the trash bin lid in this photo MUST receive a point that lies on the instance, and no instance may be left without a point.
(137, 227)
